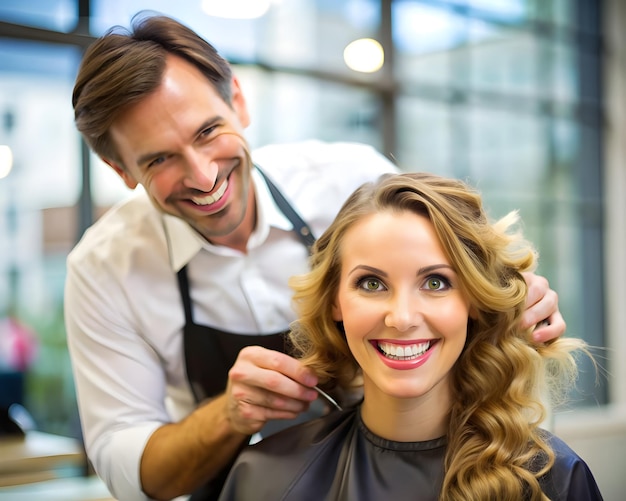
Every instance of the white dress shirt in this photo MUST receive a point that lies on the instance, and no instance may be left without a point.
(123, 310)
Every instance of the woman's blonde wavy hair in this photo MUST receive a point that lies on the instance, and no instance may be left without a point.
(496, 450)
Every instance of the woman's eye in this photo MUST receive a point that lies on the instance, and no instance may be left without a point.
(436, 283)
(371, 284)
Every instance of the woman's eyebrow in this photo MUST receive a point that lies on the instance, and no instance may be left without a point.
(433, 267)
(371, 269)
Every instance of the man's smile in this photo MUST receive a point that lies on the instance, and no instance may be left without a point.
(211, 199)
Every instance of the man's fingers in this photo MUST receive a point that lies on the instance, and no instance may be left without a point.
(541, 301)
(275, 372)
(264, 385)
(261, 397)
(250, 408)
(542, 310)
(248, 418)
(279, 362)
(550, 329)
(538, 287)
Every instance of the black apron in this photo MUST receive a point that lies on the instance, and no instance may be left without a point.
(210, 352)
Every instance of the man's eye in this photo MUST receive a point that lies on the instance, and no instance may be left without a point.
(156, 161)
(207, 132)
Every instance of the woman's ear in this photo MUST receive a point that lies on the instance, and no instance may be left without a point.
(128, 179)
(336, 312)
(473, 312)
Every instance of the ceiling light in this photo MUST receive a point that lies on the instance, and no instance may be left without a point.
(365, 55)
(6, 160)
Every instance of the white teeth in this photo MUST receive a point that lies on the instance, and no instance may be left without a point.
(404, 352)
(211, 199)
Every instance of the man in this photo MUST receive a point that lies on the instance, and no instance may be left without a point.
(176, 300)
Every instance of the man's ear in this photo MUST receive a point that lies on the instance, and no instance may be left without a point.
(128, 179)
(239, 103)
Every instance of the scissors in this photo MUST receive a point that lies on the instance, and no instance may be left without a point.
(330, 399)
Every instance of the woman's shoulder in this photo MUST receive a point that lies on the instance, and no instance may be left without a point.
(305, 435)
(570, 477)
(564, 455)
(270, 468)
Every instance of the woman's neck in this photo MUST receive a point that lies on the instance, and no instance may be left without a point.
(406, 419)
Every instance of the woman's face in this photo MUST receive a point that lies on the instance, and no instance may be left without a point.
(404, 314)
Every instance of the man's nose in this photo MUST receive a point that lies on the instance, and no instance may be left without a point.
(405, 311)
(201, 171)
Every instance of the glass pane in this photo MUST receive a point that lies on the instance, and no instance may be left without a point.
(289, 108)
(564, 71)
(508, 62)
(423, 37)
(297, 33)
(507, 151)
(58, 15)
(502, 11)
(425, 141)
(561, 13)
(38, 224)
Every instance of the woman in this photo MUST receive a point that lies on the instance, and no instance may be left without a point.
(416, 296)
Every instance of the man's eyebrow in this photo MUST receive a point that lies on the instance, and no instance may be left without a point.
(208, 123)
(143, 159)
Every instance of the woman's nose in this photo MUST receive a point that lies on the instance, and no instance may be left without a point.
(404, 312)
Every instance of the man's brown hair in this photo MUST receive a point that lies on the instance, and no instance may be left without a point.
(122, 67)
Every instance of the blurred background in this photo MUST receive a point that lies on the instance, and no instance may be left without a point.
(523, 98)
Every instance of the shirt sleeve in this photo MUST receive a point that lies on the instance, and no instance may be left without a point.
(119, 381)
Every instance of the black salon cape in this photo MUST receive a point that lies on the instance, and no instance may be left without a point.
(337, 458)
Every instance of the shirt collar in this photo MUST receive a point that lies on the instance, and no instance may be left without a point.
(184, 242)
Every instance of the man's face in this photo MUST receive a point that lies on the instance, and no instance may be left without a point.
(184, 145)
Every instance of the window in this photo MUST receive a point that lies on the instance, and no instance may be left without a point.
(502, 92)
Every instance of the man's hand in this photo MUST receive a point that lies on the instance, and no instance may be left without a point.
(265, 384)
(542, 309)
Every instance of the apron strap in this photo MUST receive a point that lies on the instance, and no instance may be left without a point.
(183, 286)
(207, 349)
(212, 343)
(299, 226)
